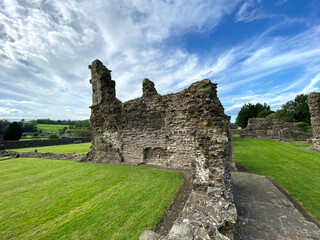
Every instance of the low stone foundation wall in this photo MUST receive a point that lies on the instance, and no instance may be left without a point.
(272, 127)
(42, 143)
(236, 131)
(63, 156)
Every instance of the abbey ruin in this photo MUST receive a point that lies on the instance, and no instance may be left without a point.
(314, 108)
(273, 128)
(185, 130)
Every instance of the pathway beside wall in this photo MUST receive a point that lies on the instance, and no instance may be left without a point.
(265, 213)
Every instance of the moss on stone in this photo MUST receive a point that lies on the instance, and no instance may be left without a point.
(206, 89)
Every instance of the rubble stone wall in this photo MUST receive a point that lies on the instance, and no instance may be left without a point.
(185, 130)
(42, 143)
(314, 108)
(272, 127)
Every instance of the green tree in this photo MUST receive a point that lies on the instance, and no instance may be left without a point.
(4, 124)
(82, 132)
(249, 110)
(30, 126)
(13, 132)
(301, 109)
(53, 136)
(296, 110)
(264, 113)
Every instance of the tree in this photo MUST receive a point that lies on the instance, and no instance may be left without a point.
(53, 136)
(83, 132)
(264, 113)
(4, 124)
(249, 110)
(29, 126)
(296, 110)
(13, 132)
(301, 109)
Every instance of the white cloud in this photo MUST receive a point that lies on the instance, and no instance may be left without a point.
(311, 86)
(45, 47)
(10, 113)
(249, 11)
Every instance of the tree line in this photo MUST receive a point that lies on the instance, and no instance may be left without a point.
(14, 130)
(295, 111)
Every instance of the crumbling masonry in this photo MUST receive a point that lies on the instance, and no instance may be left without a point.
(186, 130)
(272, 127)
(314, 108)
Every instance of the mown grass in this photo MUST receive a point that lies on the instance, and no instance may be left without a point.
(296, 169)
(79, 148)
(51, 127)
(51, 199)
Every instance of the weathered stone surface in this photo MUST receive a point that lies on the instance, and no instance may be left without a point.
(149, 235)
(186, 130)
(148, 89)
(62, 156)
(314, 108)
(181, 231)
(41, 143)
(265, 213)
(272, 127)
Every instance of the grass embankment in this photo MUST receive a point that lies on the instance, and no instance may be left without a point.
(79, 148)
(297, 170)
(51, 127)
(50, 199)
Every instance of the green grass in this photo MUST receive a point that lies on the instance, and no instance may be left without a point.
(297, 170)
(51, 127)
(79, 148)
(51, 199)
(206, 89)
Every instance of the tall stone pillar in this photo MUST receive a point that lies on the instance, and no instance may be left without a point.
(314, 108)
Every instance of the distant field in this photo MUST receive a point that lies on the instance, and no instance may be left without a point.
(50, 199)
(297, 170)
(51, 127)
(79, 148)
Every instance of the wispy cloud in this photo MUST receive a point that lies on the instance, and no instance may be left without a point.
(311, 86)
(45, 47)
(250, 11)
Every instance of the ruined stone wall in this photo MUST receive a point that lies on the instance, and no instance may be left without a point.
(42, 143)
(185, 130)
(272, 127)
(314, 108)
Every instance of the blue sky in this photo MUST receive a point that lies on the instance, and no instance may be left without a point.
(257, 51)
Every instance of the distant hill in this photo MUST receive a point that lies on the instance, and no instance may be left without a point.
(51, 127)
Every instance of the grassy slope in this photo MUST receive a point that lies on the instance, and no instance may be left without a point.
(294, 168)
(50, 199)
(79, 148)
(51, 127)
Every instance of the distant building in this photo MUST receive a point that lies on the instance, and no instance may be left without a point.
(66, 135)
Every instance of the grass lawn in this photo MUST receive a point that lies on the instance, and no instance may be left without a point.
(51, 127)
(79, 148)
(51, 199)
(297, 170)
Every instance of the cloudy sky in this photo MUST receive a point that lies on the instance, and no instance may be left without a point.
(256, 50)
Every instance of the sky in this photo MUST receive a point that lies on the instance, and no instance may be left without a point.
(256, 50)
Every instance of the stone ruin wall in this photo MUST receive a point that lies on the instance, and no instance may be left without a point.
(185, 130)
(272, 127)
(314, 109)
